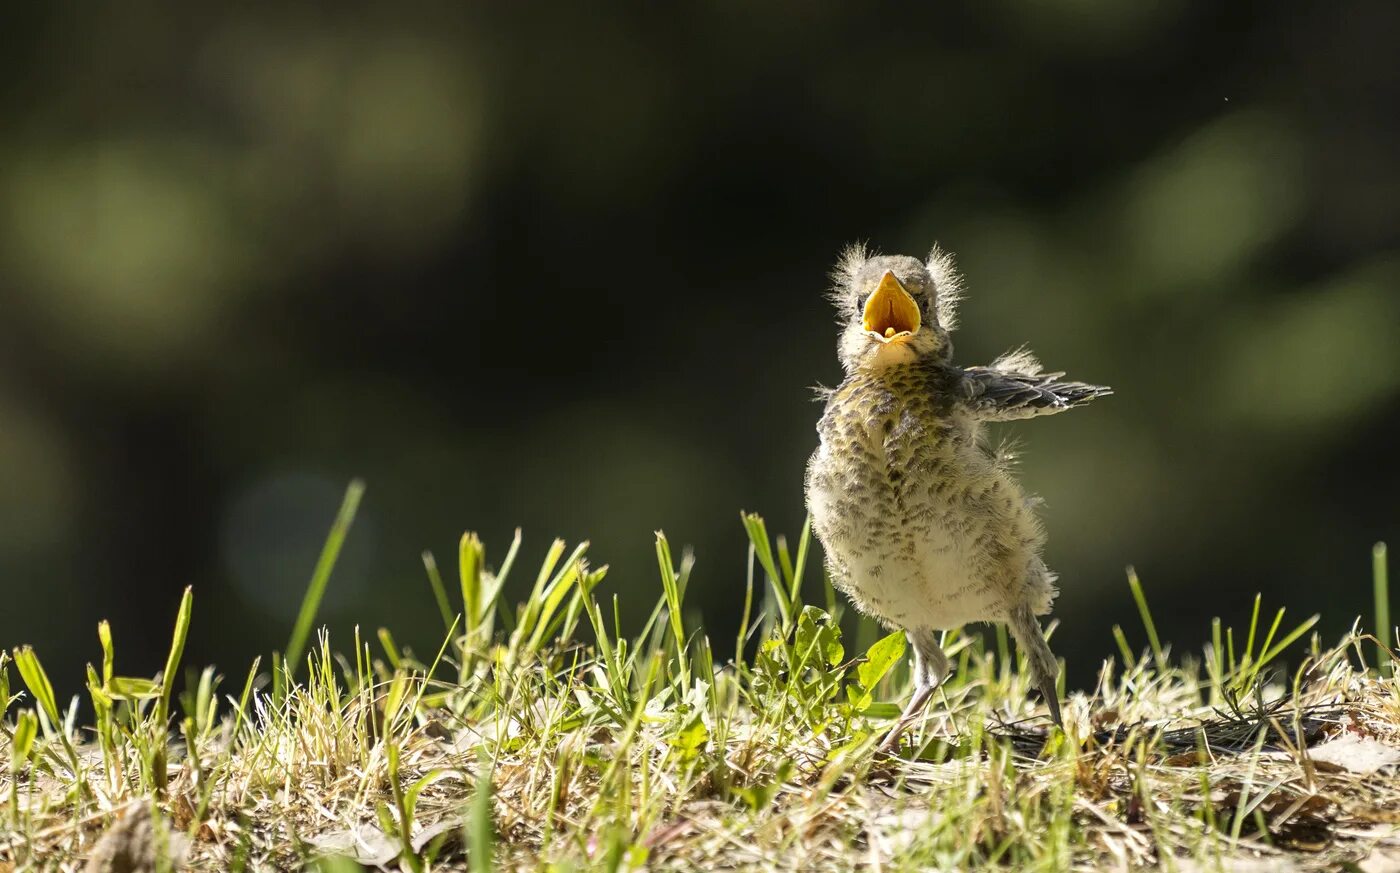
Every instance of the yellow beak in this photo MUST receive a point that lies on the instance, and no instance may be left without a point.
(891, 313)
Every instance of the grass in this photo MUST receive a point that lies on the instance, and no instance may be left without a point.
(538, 735)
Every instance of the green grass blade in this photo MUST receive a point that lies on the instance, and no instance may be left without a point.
(549, 618)
(311, 602)
(278, 689)
(4, 683)
(470, 556)
(1273, 652)
(804, 545)
(1385, 631)
(391, 648)
(177, 649)
(672, 592)
(1124, 650)
(439, 590)
(747, 614)
(1269, 637)
(785, 562)
(481, 833)
(499, 581)
(243, 698)
(1148, 624)
(104, 635)
(1253, 628)
(21, 745)
(763, 550)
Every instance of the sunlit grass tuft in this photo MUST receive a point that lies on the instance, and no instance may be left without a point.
(538, 734)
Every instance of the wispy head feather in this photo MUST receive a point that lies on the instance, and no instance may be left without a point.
(948, 284)
(849, 263)
(843, 276)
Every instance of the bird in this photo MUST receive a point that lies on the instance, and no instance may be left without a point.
(923, 523)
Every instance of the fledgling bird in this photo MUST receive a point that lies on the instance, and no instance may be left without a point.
(924, 526)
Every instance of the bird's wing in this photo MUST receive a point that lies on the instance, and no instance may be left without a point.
(994, 394)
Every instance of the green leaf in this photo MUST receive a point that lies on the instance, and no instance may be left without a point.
(847, 748)
(883, 710)
(410, 797)
(386, 819)
(880, 658)
(831, 645)
(22, 743)
(37, 681)
(104, 634)
(4, 684)
(758, 797)
(133, 688)
(100, 698)
(817, 635)
(691, 738)
(806, 638)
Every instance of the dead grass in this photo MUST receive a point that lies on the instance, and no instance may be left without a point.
(539, 738)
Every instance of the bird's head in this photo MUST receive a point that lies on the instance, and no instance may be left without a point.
(894, 308)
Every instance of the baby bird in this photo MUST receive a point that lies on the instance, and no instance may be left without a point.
(923, 524)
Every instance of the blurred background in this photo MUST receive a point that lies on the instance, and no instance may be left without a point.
(561, 267)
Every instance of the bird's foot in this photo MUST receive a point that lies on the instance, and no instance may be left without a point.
(891, 739)
(912, 713)
(1052, 701)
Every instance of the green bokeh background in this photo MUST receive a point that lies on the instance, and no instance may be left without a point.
(561, 266)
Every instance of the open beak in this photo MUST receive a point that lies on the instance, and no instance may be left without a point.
(891, 313)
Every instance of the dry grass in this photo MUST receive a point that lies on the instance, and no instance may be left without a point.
(522, 746)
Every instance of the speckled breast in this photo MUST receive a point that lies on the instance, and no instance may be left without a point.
(908, 507)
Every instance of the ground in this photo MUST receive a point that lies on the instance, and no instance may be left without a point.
(539, 738)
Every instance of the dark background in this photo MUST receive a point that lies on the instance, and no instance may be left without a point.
(561, 266)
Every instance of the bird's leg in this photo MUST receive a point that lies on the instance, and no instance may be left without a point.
(1042, 661)
(930, 668)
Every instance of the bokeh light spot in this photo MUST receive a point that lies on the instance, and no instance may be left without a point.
(1200, 210)
(272, 535)
(38, 492)
(125, 247)
(1316, 359)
